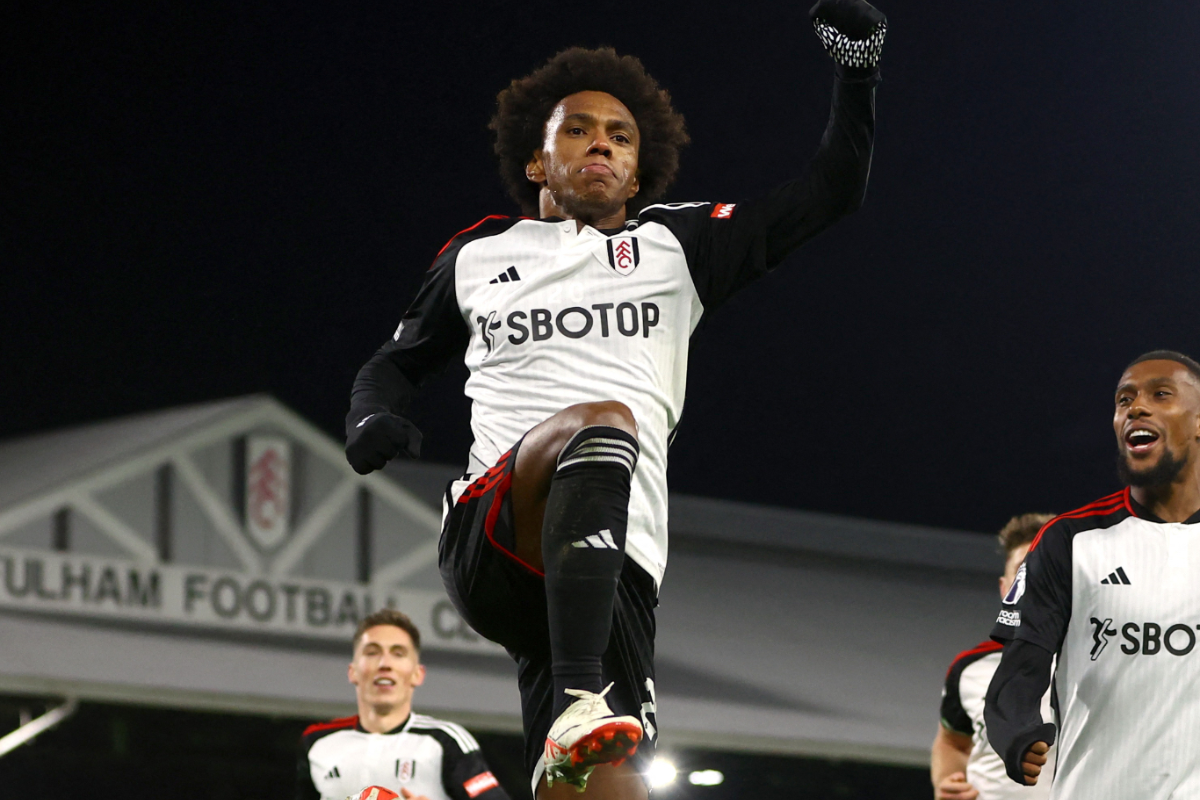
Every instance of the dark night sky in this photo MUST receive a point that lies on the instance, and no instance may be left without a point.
(226, 198)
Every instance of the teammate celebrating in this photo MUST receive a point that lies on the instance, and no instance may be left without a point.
(575, 328)
(419, 757)
(1111, 588)
(963, 765)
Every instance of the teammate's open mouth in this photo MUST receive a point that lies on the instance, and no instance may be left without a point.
(1140, 440)
(384, 682)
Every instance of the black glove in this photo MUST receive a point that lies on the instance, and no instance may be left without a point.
(851, 30)
(372, 440)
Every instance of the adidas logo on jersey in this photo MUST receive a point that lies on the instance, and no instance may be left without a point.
(1117, 577)
(599, 541)
(507, 276)
(333, 773)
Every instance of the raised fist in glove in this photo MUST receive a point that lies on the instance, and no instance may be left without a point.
(851, 30)
(373, 439)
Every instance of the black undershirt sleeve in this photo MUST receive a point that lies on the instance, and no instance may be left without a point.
(729, 245)
(1037, 607)
(466, 776)
(954, 716)
(305, 790)
(835, 183)
(430, 335)
(1032, 622)
(1012, 709)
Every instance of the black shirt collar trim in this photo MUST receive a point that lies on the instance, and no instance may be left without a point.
(358, 725)
(1141, 512)
(605, 231)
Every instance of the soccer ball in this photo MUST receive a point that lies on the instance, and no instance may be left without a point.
(374, 793)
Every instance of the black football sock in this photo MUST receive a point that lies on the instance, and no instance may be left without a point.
(583, 549)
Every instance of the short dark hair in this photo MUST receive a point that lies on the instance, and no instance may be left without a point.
(523, 108)
(387, 616)
(1021, 530)
(1169, 355)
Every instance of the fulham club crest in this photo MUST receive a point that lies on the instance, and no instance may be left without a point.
(623, 254)
(268, 490)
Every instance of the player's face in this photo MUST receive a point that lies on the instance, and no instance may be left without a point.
(1010, 568)
(1157, 422)
(386, 666)
(589, 157)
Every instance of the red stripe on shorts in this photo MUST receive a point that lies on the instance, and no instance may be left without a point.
(489, 524)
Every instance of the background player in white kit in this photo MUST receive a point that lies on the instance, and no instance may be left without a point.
(575, 328)
(963, 766)
(386, 744)
(1114, 589)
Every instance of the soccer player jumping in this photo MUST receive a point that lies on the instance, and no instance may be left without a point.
(574, 323)
(1112, 589)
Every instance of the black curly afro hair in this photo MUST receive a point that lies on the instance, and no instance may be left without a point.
(524, 107)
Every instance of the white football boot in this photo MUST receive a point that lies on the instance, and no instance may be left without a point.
(585, 736)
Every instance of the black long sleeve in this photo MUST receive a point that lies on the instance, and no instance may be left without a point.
(1012, 708)
(305, 790)
(380, 386)
(431, 334)
(835, 182)
(730, 245)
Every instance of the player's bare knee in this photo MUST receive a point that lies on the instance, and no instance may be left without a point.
(612, 413)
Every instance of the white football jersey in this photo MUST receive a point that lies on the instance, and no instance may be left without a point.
(1116, 593)
(429, 757)
(557, 316)
(577, 326)
(966, 686)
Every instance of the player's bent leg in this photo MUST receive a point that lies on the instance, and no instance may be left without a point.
(537, 462)
(607, 783)
(594, 449)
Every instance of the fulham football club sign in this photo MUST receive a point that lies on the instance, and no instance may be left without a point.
(623, 254)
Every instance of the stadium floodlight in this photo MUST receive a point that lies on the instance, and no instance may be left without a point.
(662, 773)
(706, 777)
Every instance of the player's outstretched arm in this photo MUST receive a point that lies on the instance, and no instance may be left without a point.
(1012, 710)
(730, 245)
(835, 181)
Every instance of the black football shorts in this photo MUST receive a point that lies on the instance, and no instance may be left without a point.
(504, 600)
